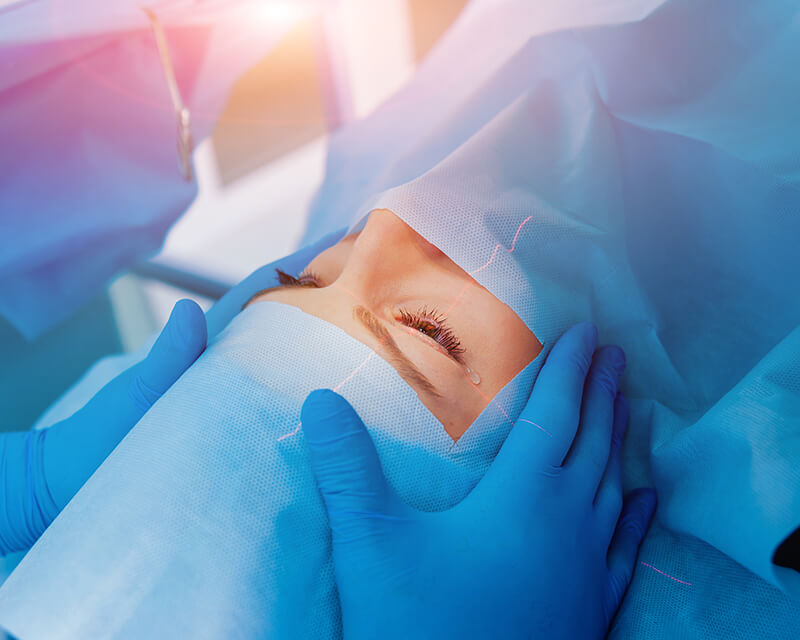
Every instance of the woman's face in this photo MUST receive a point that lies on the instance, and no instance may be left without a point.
(401, 296)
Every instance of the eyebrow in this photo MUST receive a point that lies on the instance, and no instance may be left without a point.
(403, 365)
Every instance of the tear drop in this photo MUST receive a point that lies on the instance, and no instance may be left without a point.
(473, 376)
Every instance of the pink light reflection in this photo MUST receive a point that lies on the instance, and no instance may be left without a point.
(665, 574)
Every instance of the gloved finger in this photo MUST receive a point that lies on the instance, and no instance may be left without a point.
(608, 500)
(181, 341)
(637, 511)
(588, 457)
(232, 302)
(78, 445)
(127, 397)
(544, 431)
(348, 472)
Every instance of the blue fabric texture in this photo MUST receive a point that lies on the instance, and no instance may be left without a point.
(206, 520)
(639, 170)
(77, 447)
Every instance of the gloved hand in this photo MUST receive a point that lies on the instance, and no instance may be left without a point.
(41, 470)
(543, 547)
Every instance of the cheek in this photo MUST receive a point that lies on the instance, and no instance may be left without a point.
(510, 348)
(459, 414)
(460, 403)
(526, 348)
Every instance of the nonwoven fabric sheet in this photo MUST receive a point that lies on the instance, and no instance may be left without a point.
(640, 172)
(206, 522)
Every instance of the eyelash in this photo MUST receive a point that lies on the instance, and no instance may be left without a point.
(432, 324)
(429, 322)
(305, 279)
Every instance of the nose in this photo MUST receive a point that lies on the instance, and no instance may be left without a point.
(386, 253)
(386, 259)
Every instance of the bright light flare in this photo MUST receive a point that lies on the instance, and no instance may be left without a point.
(281, 12)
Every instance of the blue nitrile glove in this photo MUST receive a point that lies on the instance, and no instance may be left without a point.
(41, 470)
(550, 543)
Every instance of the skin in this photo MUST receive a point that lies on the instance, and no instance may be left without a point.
(388, 267)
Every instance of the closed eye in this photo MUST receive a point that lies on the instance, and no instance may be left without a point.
(428, 322)
(305, 279)
(433, 324)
